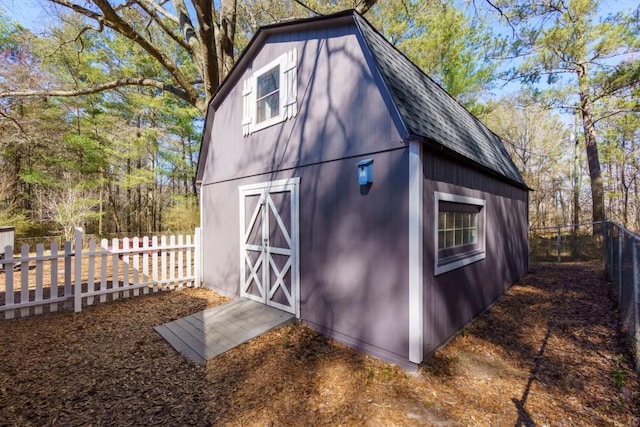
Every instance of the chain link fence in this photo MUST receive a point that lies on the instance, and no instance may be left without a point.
(609, 242)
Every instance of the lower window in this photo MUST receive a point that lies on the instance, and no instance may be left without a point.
(460, 231)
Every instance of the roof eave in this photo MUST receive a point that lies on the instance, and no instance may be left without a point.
(464, 159)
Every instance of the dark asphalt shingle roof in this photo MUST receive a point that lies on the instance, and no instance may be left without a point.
(431, 114)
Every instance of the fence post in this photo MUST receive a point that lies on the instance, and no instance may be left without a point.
(559, 239)
(605, 230)
(636, 283)
(620, 241)
(197, 261)
(77, 288)
(611, 252)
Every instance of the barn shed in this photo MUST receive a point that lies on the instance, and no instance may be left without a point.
(340, 183)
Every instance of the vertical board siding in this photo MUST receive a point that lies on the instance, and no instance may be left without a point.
(77, 287)
(99, 273)
(353, 249)
(136, 266)
(442, 169)
(67, 270)
(172, 261)
(163, 263)
(154, 264)
(92, 271)
(452, 299)
(335, 83)
(39, 268)
(125, 268)
(353, 241)
(115, 278)
(104, 248)
(8, 277)
(145, 262)
(24, 280)
(53, 277)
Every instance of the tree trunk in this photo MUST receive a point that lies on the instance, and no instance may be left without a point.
(225, 37)
(576, 187)
(593, 160)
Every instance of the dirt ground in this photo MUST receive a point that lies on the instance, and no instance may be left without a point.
(548, 353)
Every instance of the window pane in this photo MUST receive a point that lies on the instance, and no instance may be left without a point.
(268, 97)
(459, 219)
(448, 243)
(441, 220)
(269, 82)
(458, 235)
(450, 220)
(456, 229)
(268, 107)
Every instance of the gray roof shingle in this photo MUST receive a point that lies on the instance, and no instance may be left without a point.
(430, 113)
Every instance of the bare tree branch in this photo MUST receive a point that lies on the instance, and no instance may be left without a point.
(501, 12)
(111, 19)
(613, 114)
(315, 12)
(14, 121)
(100, 88)
(164, 26)
(145, 4)
(363, 6)
(79, 9)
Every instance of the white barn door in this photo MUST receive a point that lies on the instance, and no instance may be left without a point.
(269, 258)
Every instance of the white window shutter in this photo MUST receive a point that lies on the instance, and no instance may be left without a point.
(290, 105)
(246, 106)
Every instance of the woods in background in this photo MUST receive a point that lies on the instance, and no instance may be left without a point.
(101, 109)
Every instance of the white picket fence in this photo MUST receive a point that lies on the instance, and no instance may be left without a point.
(84, 274)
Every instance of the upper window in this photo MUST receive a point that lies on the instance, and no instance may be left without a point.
(269, 95)
(460, 237)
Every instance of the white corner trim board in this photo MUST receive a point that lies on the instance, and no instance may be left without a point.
(416, 302)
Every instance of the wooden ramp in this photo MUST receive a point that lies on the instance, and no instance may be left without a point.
(209, 333)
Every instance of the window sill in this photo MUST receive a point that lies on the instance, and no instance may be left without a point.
(267, 123)
(454, 262)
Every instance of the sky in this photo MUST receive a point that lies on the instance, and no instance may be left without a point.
(29, 13)
(33, 14)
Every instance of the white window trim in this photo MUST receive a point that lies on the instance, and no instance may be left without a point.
(476, 256)
(287, 92)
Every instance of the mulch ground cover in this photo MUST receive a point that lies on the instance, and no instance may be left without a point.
(549, 352)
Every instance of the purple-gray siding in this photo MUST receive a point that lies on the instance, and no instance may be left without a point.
(353, 250)
(341, 112)
(452, 299)
(354, 244)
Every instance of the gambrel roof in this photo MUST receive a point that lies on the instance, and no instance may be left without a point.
(429, 114)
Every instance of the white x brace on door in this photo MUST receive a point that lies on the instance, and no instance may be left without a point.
(269, 258)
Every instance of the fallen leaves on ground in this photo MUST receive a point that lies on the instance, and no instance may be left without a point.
(548, 353)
